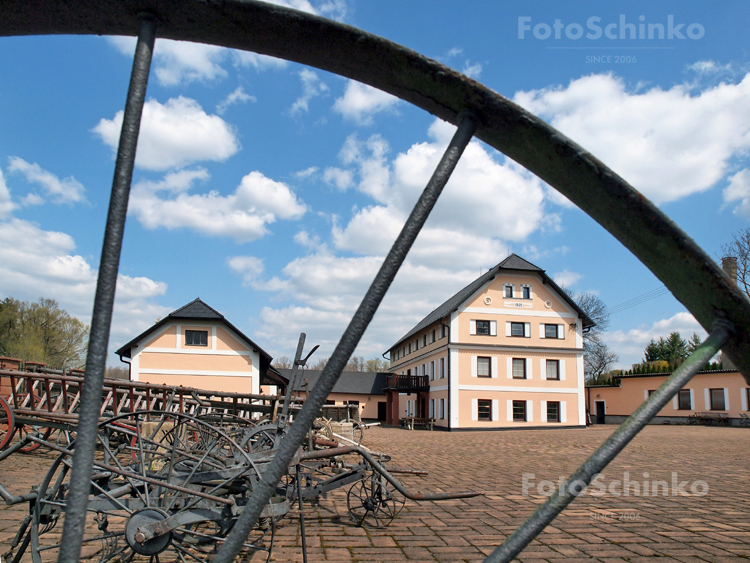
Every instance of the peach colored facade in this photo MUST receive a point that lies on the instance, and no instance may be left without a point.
(730, 396)
(515, 344)
(226, 363)
(368, 404)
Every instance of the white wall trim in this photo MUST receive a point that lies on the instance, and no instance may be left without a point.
(563, 411)
(581, 391)
(493, 367)
(543, 369)
(508, 389)
(529, 411)
(200, 350)
(196, 372)
(213, 337)
(707, 398)
(692, 400)
(726, 399)
(543, 412)
(475, 409)
(509, 407)
(495, 414)
(453, 371)
(743, 398)
(517, 312)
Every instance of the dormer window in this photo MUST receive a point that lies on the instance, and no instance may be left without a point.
(196, 338)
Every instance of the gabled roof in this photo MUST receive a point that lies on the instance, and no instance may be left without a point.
(358, 382)
(511, 263)
(197, 310)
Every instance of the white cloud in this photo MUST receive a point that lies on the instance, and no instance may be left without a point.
(485, 204)
(6, 203)
(242, 215)
(567, 278)
(250, 267)
(483, 198)
(312, 87)
(36, 263)
(360, 103)
(174, 134)
(710, 67)
(66, 190)
(739, 190)
(256, 61)
(668, 144)
(472, 70)
(338, 177)
(629, 345)
(238, 96)
(306, 173)
(179, 62)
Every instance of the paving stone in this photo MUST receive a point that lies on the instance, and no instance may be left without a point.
(606, 528)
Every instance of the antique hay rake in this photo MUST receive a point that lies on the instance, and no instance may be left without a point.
(694, 279)
(174, 467)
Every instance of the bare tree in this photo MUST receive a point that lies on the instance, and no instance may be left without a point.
(598, 359)
(282, 362)
(739, 247)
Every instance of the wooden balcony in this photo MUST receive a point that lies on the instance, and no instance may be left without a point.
(407, 383)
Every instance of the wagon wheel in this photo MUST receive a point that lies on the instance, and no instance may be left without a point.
(7, 424)
(371, 502)
(132, 493)
(358, 431)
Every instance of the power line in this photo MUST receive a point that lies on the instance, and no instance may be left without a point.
(653, 294)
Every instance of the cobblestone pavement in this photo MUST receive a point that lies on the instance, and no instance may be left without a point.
(597, 527)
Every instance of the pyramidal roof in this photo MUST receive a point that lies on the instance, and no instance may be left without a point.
(512, 262)
(195, 310)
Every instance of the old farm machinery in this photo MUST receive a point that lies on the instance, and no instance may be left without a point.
(174, 468)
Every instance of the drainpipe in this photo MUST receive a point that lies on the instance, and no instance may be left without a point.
(129, 367)
(448, 375)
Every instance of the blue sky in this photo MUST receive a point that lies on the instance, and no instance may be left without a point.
(273, 190)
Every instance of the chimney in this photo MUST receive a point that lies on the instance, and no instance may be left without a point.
(729, 265)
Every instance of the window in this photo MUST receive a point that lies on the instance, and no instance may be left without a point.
(650, 391)
(550, 331)
(483, 367)
(416, 344)
(484, 409)
(508, 290)
(525, 292)
(519, 368)
(717, 400)
(519, 411)
(442, 409)
(432, 408)
(553, 411)
(330, 402)
(483, 327)
(424, 341)
(432, 370)
(553, 369)
(442, 368)
(516, 329)
(196, 338)
(433, 336)
(683, 401)
(409, 347)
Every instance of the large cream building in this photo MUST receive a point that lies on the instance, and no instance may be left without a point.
(504, 352)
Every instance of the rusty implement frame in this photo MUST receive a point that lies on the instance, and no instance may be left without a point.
(692, 277)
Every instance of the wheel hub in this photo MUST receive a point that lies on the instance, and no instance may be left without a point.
(136, 538)
(370, 504)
